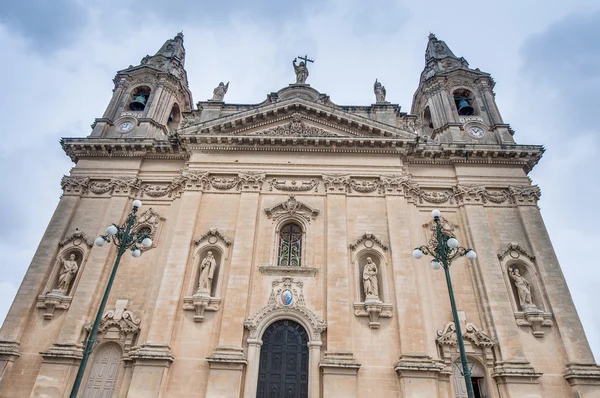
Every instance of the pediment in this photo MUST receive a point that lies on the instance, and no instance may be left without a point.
(295, 117)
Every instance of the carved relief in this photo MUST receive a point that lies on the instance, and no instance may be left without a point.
(286, 300)
(524, 194)
(75, 185)
(477, 343)
(115, 186)
(448, 229)
(478, 193)
(292, 208)
(243, 182)
(213, 236)
(150, 221)
(368, 239)
(297, 128)
(294, 185)
(119, 324)
(336, 182)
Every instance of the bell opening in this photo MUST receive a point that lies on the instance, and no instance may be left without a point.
(139, 98)
(463, 100)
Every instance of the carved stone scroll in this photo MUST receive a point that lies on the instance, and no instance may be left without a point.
(292, 208)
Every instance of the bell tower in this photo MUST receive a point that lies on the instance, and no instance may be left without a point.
(148, 99)
(456, 103)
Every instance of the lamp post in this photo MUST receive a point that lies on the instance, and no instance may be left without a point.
(444, 248)
(124, 238)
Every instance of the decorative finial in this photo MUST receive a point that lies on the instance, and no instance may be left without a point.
(432, 36)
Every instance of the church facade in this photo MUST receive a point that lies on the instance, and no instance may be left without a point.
(281, 259)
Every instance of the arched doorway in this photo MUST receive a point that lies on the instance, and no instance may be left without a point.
(477, 378)
(102, 378)
(283, 369)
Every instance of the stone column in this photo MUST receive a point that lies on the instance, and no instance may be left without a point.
(20, 311)
(227, 362)
(60, 363)
(340, 370)
(251, 384)
(512, 369)
(416, 367)
(153, 357)
(581, 371)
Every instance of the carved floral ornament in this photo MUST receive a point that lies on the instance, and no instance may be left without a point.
(333, 183)
(119, 324)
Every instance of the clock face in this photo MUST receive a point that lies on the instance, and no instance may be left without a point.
(476, 132)
(125, 127)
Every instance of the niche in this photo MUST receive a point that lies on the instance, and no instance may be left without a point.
(174, 118)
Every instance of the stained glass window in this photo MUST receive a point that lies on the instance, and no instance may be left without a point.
(290, 246)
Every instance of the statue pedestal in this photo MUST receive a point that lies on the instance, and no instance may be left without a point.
(374, 308)
(534, 318)
(201, 301)
(54, 299)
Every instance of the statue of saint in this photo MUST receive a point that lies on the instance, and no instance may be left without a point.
(379, 90)
(207, 271)
(523, 288)
(220, 91)
(67, 272)
(301, 72)
(370, 283)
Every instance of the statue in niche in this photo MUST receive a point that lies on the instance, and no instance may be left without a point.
(301, 72)
(207, 272)
(220, 91)
(67, 273)
(370, 283)
(379, 91)
(523, 288)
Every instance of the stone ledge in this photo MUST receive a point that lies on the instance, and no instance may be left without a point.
(418, 366)
(582, 373)
(340, 362)
(518, 372)
(226, 357)
(295, 271)
(9, 350)
(63, 352)
(151, 355)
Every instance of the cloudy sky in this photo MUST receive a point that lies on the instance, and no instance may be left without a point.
(59, 58)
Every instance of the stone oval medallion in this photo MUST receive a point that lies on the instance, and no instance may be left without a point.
(287, 297)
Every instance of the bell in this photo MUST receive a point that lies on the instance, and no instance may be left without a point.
(464, 108)
(139, 103)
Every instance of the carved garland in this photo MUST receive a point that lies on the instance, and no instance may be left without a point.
(334, 183)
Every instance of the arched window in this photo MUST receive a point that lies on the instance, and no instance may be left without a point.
(174, 118)
(290, 246)
(102, 380)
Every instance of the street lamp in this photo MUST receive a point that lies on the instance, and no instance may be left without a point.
(444, 248)
(124, 237)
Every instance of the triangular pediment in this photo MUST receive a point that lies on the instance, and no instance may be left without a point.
(296, 117)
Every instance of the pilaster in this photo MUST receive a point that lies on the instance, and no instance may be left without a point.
(62, 358)
(581, 368)
(228, 360)
(511, 367)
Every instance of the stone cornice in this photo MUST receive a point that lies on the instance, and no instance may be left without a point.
(182, 146)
